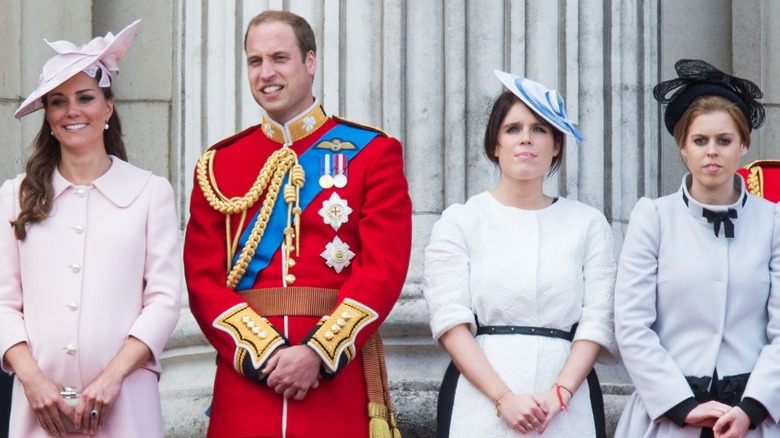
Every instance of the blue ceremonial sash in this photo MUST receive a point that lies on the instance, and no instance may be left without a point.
(274, 230)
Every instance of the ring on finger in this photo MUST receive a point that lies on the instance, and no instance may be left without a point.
(94, 413)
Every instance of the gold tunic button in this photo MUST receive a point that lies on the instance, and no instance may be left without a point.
(70, 349)
(335, 328)
(346, 315)
(262, 335)
(290, 279)
(328, 335)
(341, 322)
(256, 330)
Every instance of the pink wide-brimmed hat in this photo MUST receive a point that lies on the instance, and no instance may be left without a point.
(102, 53)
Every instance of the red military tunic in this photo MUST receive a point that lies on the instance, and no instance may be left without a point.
(378, 233)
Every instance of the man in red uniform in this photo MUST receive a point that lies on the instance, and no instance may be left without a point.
(296, 250)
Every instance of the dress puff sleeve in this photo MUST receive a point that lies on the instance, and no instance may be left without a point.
(446, 274)
(597, 322)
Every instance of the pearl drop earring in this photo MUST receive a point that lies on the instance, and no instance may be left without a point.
(106, 126)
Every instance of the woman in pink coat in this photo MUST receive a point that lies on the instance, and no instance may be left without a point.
(90, 271)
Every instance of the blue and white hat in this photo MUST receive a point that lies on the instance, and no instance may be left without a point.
(548, 104)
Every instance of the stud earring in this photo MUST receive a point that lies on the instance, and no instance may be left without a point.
(106, 126)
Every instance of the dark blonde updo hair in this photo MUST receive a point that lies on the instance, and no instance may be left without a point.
(711, 104)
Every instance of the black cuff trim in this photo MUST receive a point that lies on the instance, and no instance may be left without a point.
(678, 413)
(754, 410)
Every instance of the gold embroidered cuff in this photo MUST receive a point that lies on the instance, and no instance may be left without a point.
(253, 334)
(335, 335)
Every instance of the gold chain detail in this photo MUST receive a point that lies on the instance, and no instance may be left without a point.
(273, 172)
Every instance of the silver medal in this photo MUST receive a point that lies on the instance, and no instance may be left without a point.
(340, 177)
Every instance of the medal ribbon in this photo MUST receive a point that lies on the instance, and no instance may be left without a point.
(310, 160)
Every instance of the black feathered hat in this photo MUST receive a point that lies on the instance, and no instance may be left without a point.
(698, 78)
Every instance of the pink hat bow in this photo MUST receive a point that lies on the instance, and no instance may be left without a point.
(101, 53)
(70, 55)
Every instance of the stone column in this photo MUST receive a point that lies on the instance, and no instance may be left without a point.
(23, 26)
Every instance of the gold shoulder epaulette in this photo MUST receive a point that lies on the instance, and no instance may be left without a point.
(361, 125)
(762, 162)
(754, 181)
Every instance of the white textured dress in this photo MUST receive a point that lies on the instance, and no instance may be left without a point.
(547, 268)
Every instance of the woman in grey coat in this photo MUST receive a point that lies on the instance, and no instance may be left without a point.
(697, 299)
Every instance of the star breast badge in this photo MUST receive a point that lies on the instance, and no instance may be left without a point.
(335, 211)
(337, 254)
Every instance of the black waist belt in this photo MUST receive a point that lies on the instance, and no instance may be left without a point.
(525, 330)
(451, 377)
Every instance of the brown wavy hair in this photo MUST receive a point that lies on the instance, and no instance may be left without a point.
(36, 191)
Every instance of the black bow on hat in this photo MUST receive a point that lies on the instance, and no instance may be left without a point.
(698, 78)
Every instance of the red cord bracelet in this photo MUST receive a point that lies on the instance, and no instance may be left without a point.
(558, 388)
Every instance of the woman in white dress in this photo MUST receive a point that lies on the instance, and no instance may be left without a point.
(519, 286)
(697, 306)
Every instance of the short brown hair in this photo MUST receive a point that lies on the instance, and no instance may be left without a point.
(303, 32)
(501, 107)
(711, 104)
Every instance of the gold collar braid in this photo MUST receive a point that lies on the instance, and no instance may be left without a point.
(279, 164)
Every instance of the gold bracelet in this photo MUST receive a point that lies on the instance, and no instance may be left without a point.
(497, 402)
